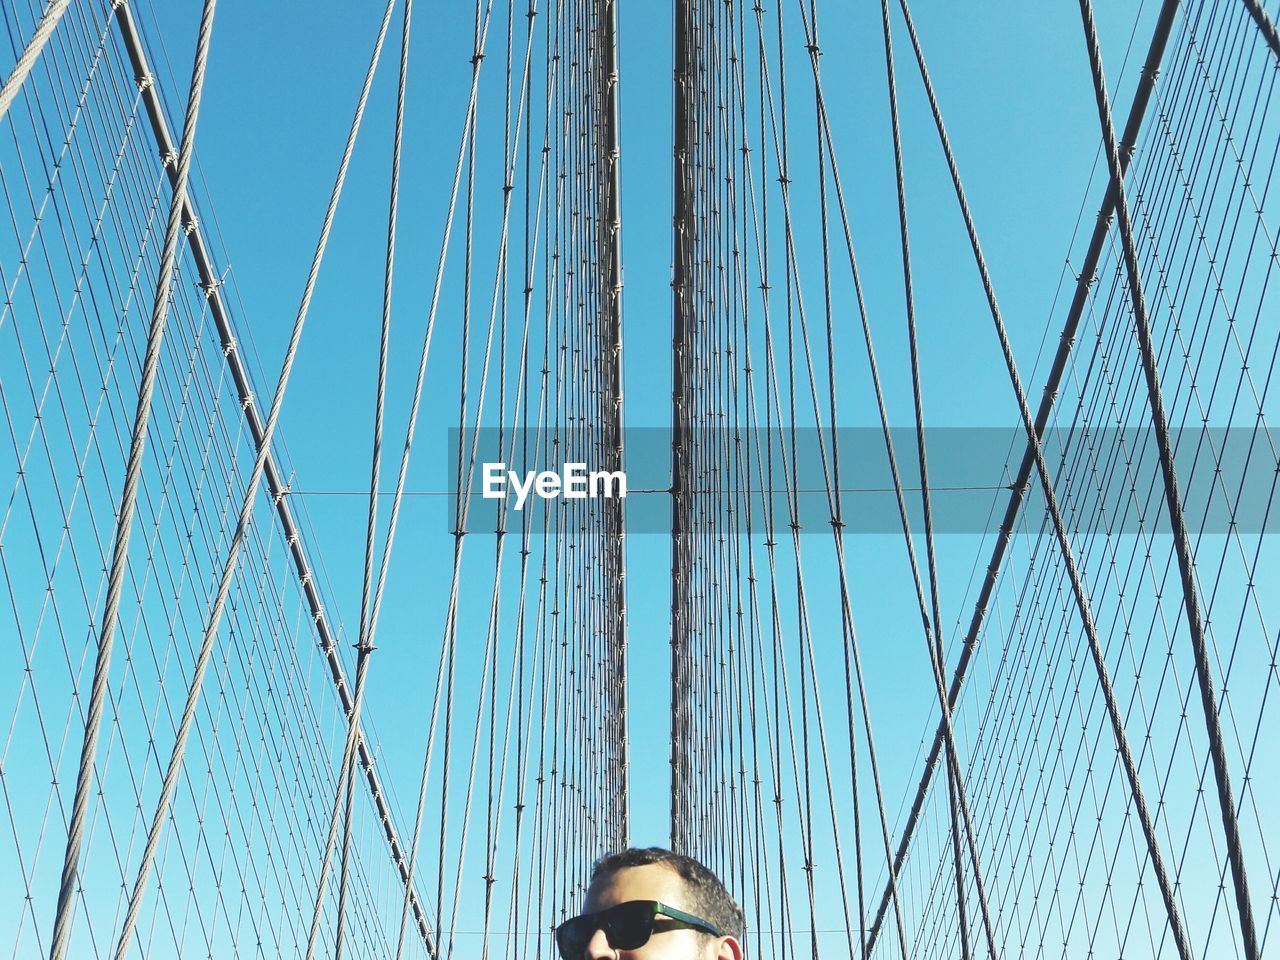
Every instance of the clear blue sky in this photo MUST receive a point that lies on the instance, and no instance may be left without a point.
(1015, 89)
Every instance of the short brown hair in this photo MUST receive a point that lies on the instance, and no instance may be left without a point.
(708, 896)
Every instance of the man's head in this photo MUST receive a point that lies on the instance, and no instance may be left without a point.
(679, 883)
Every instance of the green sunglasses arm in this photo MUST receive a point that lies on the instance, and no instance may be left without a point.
(688, 918)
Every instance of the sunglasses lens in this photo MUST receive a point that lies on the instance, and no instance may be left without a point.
(572, 937)
(629, 925)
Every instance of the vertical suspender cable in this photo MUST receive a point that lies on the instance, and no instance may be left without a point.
(242, 524)
(31, 52)
(1177, 521)
(133, 473)
(680, 304)
(615, 530)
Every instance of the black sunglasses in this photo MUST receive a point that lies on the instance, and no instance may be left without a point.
(627, 926)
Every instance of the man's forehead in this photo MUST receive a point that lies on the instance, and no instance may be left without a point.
(650, 881)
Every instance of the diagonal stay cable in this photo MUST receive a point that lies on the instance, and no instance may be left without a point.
(1260, 17)
(1082, 602)
(276, 485)
(936, 651)
(1137, 113)
(1182, 543)
(31, 52)
(242, 524)
(366, 634)
(129, 493)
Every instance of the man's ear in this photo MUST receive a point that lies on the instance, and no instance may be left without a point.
(729, 949)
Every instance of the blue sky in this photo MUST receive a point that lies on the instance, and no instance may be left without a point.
(1015, 90)
(1016, 93)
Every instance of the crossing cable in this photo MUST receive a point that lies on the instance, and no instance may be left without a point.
(1142, 95)
(789, 480)
(242, 524)
(515, 701)
(122, 451)
(210, 282)
(1184, 348)
(1082, 600)
(1256, 10)
(367, 617)
(1220, 255)
(128, 498)
(533, 227)
(1186, 561)
(31, 52)
(936, 651)
(997, 828)
(825, 127)
(824, 134)
(753, 654)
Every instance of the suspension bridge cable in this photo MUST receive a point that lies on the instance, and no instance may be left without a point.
(1265, 24)
(211, 283)
(242, 524)
(1137, 113)
(31, 52)
(1186, 562)
(128, 499)
(938, 656)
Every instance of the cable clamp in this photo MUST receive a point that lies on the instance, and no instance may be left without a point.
(144, 82)
(191, 226)
(116, 5)
(209, 288)
(246, 401)
(169, 159)
(230, 347)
